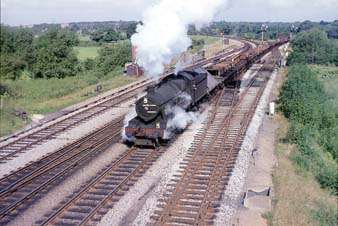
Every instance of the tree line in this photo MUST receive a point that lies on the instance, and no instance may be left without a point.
(314, 47)
(252, 30)
(51, 54)
(305, 102)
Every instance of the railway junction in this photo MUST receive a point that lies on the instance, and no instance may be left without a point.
(74, 170)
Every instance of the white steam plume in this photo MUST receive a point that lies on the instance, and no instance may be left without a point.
(163, 35)
(180, 117)
(132, 114)
(183, 62)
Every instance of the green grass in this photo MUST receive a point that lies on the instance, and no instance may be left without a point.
(299, 200)
(329, 76)
(90, 50)
(84, 38)
(41, 96)
(84, 53)
(207, 39)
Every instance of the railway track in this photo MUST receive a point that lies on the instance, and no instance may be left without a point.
(24, 143)
(194, 195)
(94, 200)
(22, 187)
(35, 136)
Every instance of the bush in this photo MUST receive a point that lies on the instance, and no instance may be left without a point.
(111, 58)
(54, 56)
(89, 64)
(314, 46)
(303, 96)
(11, 66)
(314, 127)
(324, 215)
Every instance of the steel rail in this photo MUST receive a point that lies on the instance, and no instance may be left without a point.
(69, 163)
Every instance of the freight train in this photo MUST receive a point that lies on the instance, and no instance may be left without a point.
(186, 90)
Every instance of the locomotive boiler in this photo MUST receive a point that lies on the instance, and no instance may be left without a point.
(186, 90)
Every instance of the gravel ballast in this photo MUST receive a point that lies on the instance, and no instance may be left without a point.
(232, 194)
(63, 139)
(137, 205)
(71, 184)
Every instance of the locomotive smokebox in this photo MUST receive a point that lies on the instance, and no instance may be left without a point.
(146, 108)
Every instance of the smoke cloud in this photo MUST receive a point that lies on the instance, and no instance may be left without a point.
(183, 62)
(180, 117)
(163, 35)
(132, 114)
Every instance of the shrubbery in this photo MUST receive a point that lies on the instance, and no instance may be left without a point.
(54, 56)
(314, 47)
(51, 55)
(47, 56)
(314, 128)
(111, 58)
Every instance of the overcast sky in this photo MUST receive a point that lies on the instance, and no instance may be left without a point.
(25, 12)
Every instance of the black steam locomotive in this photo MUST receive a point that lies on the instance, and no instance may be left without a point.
(186, 90)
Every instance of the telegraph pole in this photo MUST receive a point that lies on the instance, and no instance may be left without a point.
(293, 29)
(263, 29)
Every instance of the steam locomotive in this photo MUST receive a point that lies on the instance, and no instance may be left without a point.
(186, 90)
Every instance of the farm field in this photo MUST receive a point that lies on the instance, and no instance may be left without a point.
(86, 52)
(329, 76)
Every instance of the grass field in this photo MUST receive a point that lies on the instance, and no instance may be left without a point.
(207, 39)
(43, 96)
(87, 52)
(84, 38)
(90, 50)
(329, 76)
(298, 200)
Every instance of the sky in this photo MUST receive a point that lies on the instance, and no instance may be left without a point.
(28, 12)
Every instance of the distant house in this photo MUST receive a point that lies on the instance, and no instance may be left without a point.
(66, 25)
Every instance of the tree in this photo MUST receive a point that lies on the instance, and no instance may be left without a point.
(113, 57)
(313, 46)
(54, 56)
(97, 36)
(314, 126)
(306, 25)
(131, 29)
(332, 30)
(16, 51)
(106, 35)
(10, 66)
